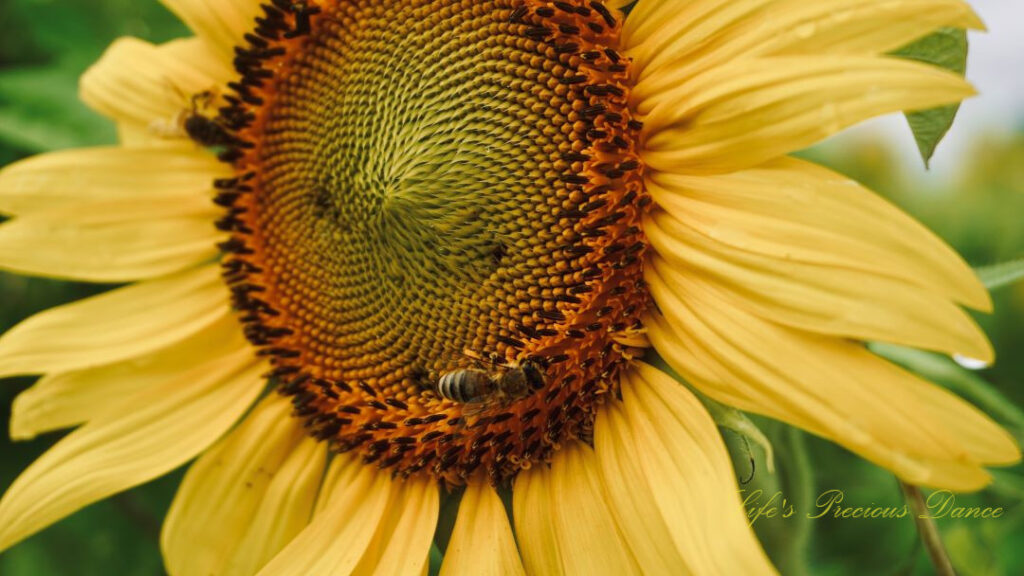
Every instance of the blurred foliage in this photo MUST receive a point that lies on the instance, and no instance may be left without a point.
(1003, 274)
(46, 45)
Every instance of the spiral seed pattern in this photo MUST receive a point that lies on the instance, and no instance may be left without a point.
(424, 181)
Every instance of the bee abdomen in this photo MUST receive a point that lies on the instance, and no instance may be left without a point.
(460, 386)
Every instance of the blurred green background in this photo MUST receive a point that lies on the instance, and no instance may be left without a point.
(46, 44)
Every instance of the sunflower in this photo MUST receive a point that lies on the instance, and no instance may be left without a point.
(379, 250)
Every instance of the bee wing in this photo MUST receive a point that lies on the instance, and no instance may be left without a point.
(473, 410)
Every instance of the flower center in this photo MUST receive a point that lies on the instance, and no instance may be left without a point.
(436, 223)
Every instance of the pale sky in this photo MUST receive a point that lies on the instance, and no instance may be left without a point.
(996, 68)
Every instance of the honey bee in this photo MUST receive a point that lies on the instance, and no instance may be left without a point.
(192, 123)
(483, 389)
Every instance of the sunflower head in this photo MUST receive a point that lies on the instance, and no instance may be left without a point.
(429, 187)
(449, 228)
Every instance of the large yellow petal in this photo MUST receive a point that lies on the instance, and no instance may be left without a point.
(65, 399)
(150, 86)
(802, 246)
(146, 436)
(133, 135)
(351, 506)
(630, 497)
(829, 386)
(647, 17)
(117, 325)
(482, 542)
(402, 543)
(222, 24)
(112, 241)
(565, 508)
(67, 178)
(224, 489)
(535, 524)
(746, 112)
(285, 510)
(702, 35)
(205, 67)
(861, 26)
(792, 209)
(671, 483)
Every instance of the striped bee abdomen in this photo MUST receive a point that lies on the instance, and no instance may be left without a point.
(464, 385)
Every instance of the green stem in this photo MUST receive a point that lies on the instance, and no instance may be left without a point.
(800, 475)
(928, 531)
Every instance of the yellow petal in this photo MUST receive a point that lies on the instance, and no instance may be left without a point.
(833, 304)
(647, 17)
(565, 508)
(134, 135)
(482, 542)
(66, 399)
(150, 86)
(352, 505)
(222, 24)
(198, 64)
(120, 324)
(703, 35)
(402, 543)
(863, 27)
(535, 524)
(671, 482)
(804, 211)
(630, 497)
(112, 241)
(146, 436)
(96, 175)
(804, 247)
(224, 488)
(284, 511)
(752, 110)
(829, 386)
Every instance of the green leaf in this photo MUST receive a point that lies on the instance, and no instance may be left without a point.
(947, 48)
(436, 558)
(999, 275)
